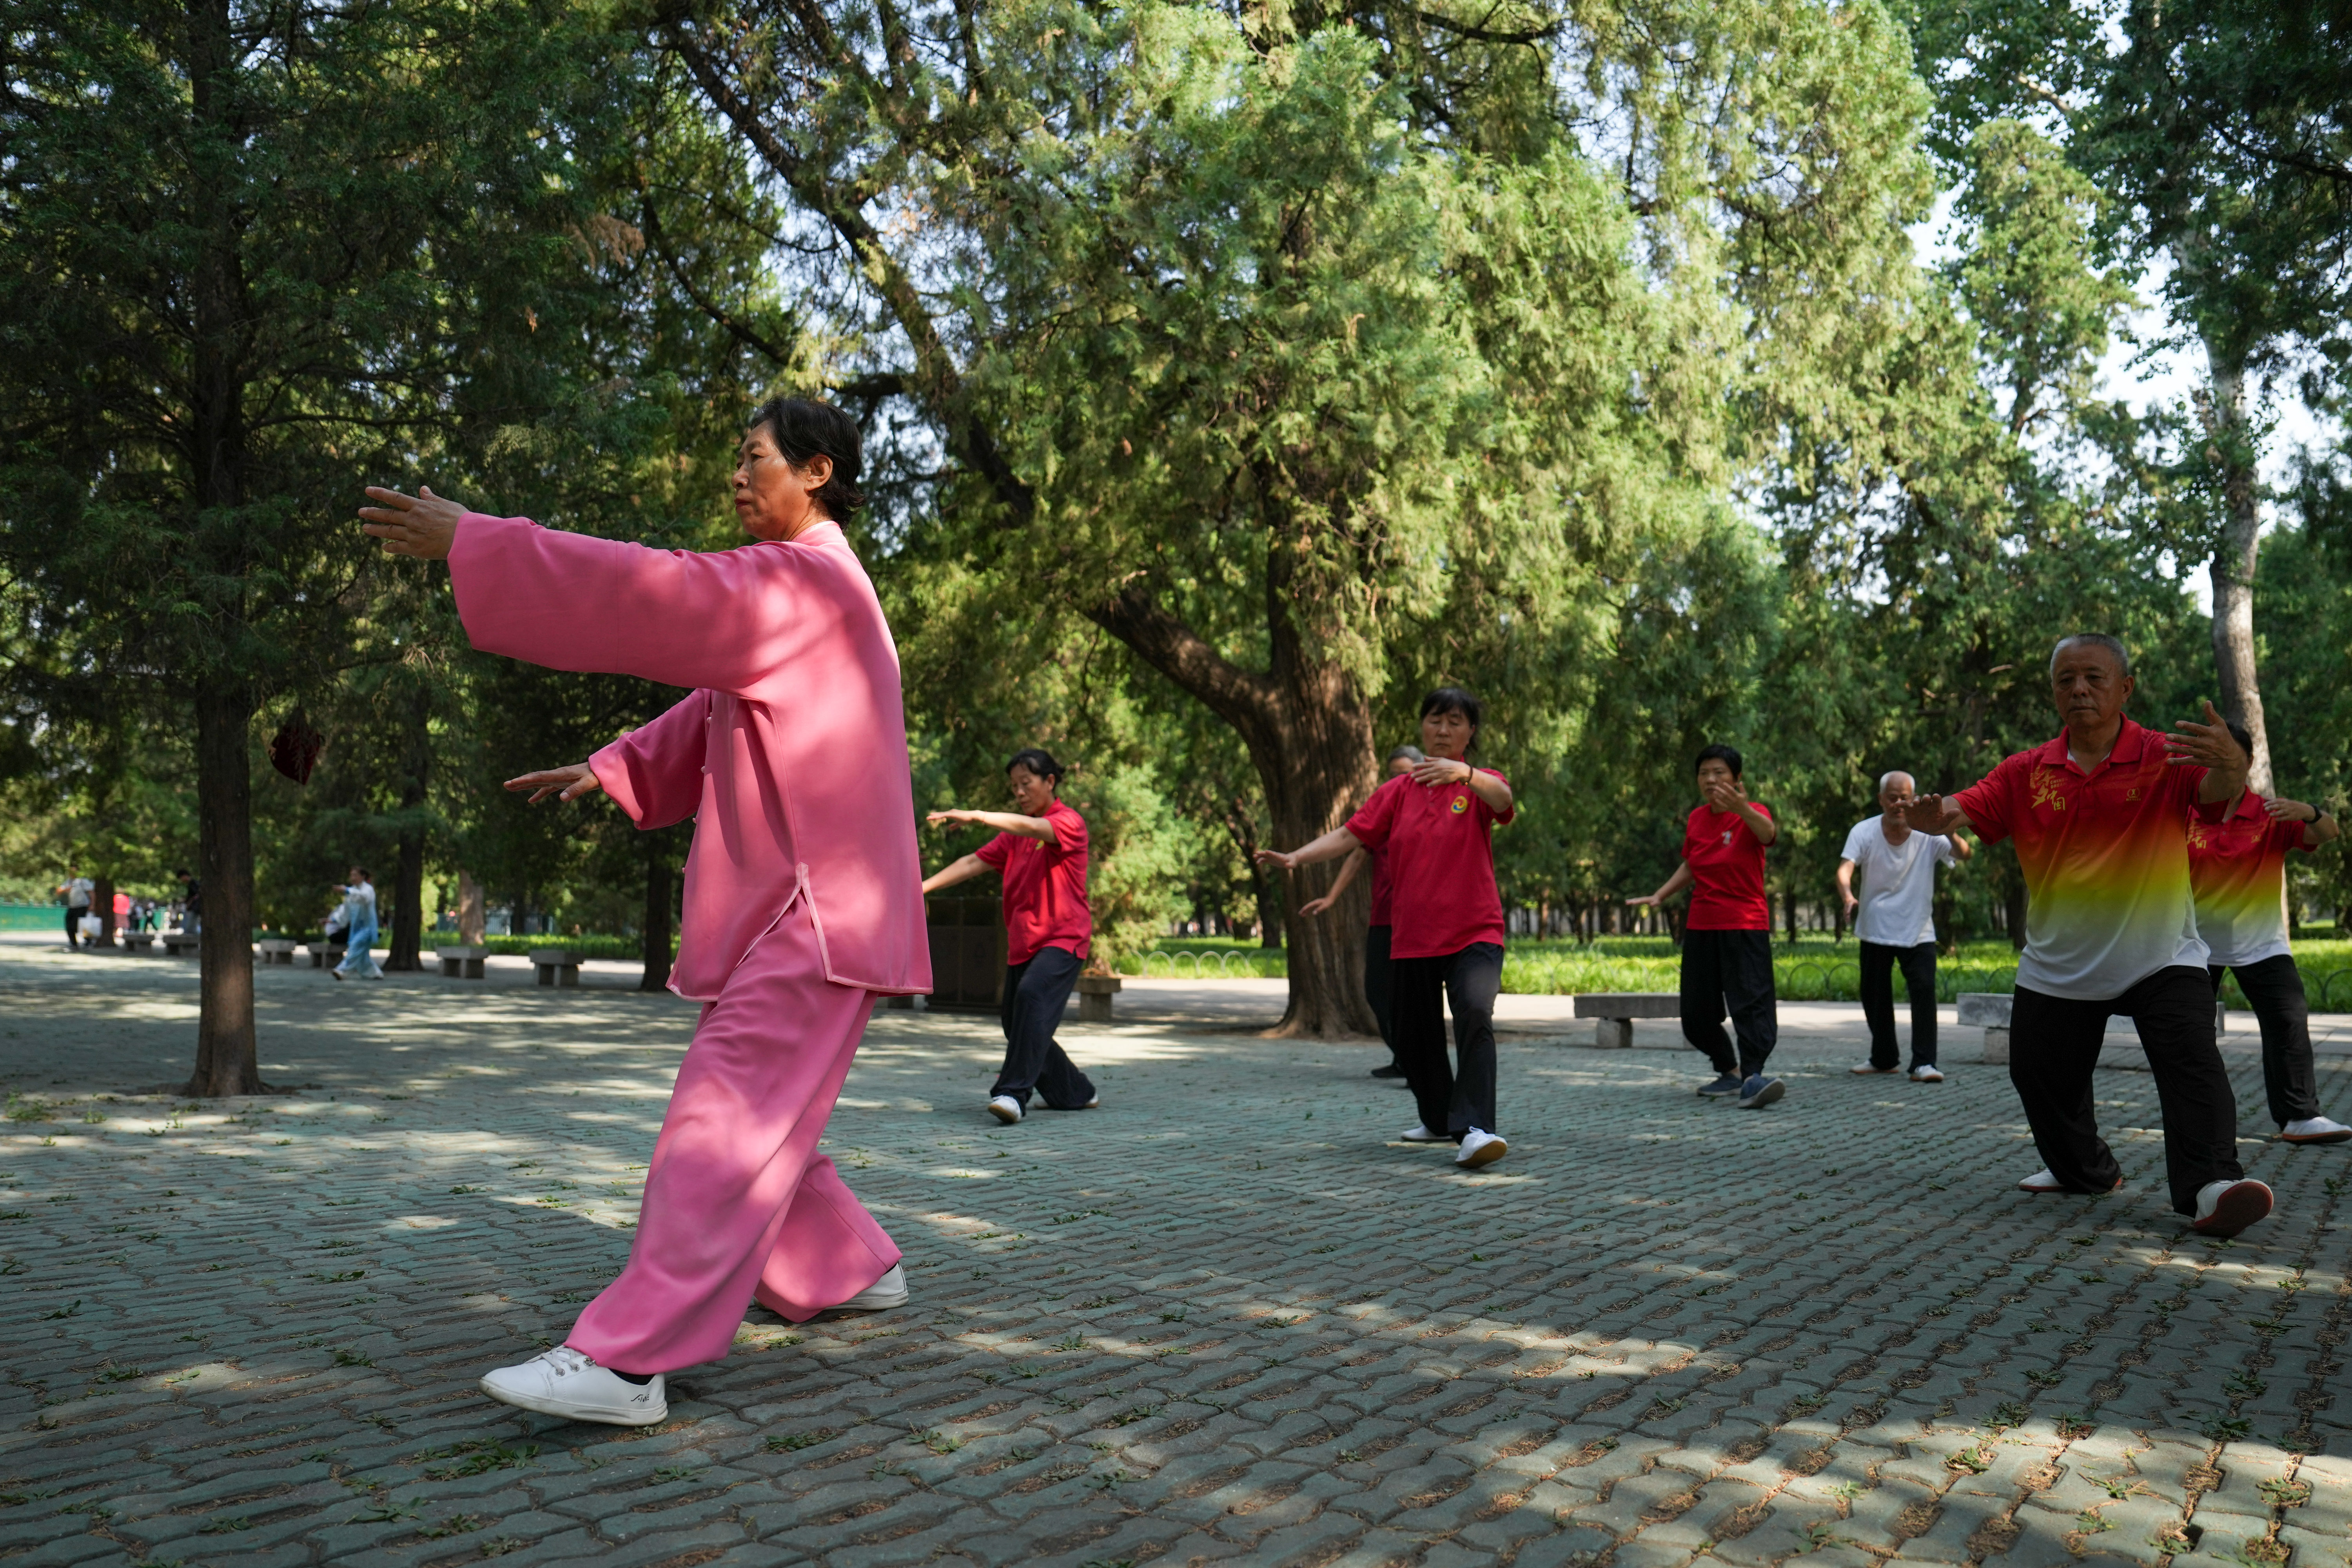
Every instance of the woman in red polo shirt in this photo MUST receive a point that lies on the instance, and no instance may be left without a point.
(1728, 935)
(1040, 851)
(1433, 829)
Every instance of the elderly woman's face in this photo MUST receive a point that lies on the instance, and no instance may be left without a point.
(1447, 734)
(772, 498)
(1032, 795)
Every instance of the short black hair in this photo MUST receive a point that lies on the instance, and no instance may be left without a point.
(2237, 733)
(1455, 700)
(1040, 762)
(1728, 755)
(804, 428)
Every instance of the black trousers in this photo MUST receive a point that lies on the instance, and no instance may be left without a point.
(1452, 1101)
(2053, 1046)
(1035, 993)
(1380, 985)
(1878, 962)
(2274, 989)
(1731, 967)
(73, 925)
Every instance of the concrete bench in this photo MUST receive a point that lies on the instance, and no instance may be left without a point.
(556, 966)
(1989, 1011)
(1095, 991)
(316, 953)
(1616, 1011)
(181, 943)
(463, 963)
(275, 949)
(139, 942)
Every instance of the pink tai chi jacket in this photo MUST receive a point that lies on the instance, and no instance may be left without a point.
(791, 755)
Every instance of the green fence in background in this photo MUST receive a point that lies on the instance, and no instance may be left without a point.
(33, 916)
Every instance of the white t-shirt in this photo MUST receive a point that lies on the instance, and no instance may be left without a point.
(78, 891)
(359, 905)
(1898, 883)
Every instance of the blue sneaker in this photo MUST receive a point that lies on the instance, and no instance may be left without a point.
(1727, 1084)
(1760, 1091)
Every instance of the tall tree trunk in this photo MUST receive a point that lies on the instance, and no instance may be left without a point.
(2234, 553)
(472, 917)
(101, 904)
(656, 923)
(408, 887)
(225, 1063)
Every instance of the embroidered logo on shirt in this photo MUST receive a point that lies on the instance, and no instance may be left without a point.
(1461, 804)
(2131, 794)
(2199, 836)
(2046, 791)
(1727, 837)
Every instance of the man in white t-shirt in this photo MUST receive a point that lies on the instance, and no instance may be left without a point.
(77, 890)
(1898, 922)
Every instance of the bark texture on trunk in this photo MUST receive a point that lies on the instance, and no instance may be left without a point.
(656, 922)
(472, 916)
(225, 1063)
(408, 879)
(2235, 554)
(101, 904)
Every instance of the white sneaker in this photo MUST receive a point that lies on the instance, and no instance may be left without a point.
(1417, 1133)
(1864, 1069)
(1480, 1149)
(884, 1293)
(2225, 1208)
(2315, 1129)
(2039, 1181)
(565, 1382)
(1095, 1104)
(1005, 1109)
(1929, 1074)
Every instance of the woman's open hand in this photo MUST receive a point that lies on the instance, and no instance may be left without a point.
(958, 814)
(1288, 862)
(564, 783)
(423, 525)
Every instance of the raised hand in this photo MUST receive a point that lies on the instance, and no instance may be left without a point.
(1647, 900)
(2206, 745)
(1443, 770)
(1316, 906)
(564, 783)
(1287, 862)
(2282, 810)
(1726, 795)
(423, 525)
(1926, 814)
(955, 815)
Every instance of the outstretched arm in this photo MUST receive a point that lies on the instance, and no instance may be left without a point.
(1330, 846)
(1934, 813)
(955, 871)
(2210, 745)
(1961, 847)
(1011, 822)
(1675, 884)
(2318, 827)
(1356, 860)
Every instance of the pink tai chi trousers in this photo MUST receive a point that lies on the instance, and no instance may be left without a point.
(738, 1204)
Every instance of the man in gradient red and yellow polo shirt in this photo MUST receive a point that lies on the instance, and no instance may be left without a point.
(2237, 868)
(2101, 819)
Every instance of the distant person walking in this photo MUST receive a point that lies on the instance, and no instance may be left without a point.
(1040, 851)
(1897, 925)
(77, 890)
(1379, 968)
(359, 928)
(2101, 816)
(1728, 934)
(1433, 827)
(192, 903)
(2237, 868)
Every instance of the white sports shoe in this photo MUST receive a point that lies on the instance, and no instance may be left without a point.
(2039, 1181)
(1417, 1133)
(2225, 1208)
(1005, 1109)
(1480, 1149)
(2315, 1129)
(884, 1293)
(565, 1382)
(1929, 1074)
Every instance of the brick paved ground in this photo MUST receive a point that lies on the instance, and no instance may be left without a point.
(1221, 1319)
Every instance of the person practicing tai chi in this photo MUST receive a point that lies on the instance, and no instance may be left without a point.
(2101, 819)
(1728, 934)
(359, 928)
(801, 884)
(1379, 968)
(1898, 923)
(2237, 868)
(1434, 828)
(1040, 851)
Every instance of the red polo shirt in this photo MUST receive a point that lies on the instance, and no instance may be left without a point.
(1727, 862)
(1383, 891)
(2237, 870)
(1437, 844)
(2105, 856)
(1044, 887)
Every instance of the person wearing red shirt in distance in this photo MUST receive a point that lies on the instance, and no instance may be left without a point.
(2237, 868)
(1379, 970)
(1040, 851)
(1728, 935)
(2101, 818)
(1434, 828)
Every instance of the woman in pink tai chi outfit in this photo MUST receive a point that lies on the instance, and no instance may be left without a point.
(801, 888)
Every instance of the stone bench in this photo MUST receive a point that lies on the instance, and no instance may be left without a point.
(464, 963)
(1989, 1011)
(1616, 1011)
(179, 943)
(139, 942)
(316, 953)
(1095, 991)
(277, 950)
(556, 966)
